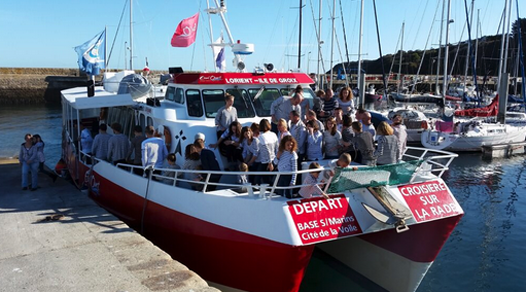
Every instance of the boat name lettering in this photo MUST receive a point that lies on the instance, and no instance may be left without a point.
(238, 80)
(422, 189)
(317, 206)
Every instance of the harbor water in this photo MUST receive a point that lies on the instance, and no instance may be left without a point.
(484, 253)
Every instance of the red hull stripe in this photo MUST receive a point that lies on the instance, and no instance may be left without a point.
(216, 253)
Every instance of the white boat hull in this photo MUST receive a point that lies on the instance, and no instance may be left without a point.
(491, 135)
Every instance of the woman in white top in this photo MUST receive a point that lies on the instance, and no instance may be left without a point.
(268, 146)
(331, 139)
(346, 100)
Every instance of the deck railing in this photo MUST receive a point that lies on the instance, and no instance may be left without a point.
(429, 161)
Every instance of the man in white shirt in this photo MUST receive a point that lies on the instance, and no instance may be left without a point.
(153, 150)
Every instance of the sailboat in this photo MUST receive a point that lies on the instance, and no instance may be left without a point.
(484, 128)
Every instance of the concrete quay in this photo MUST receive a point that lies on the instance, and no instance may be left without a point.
(58, 239)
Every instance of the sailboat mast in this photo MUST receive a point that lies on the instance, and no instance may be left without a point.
(319, 45)
(468, 51)
(501, 60)
(507, 45)
(360, 46)
(332, 40)
(446, 53)
(437, 88)
(299, 41)
(131, 34)
(401, 55)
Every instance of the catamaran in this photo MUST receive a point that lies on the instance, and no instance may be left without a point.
(387, 223)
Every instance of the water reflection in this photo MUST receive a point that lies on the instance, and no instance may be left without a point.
(484, 253)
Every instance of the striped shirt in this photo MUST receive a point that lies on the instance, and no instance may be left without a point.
(388, 149)
(329, 105)
(268, 144)
(100, 146)
(118, 147)
(288, 161)
(311, 188)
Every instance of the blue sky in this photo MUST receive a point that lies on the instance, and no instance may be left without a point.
(38, 33)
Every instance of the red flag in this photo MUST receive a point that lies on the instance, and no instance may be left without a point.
(185, 33)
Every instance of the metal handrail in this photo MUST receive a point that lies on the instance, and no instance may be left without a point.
(434, 161)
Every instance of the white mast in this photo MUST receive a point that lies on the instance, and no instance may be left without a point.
(131, 34)
(360, 36)
(401, 55)
(468, 50)
(332, 40)
(501, 61)
(437, 88)
(448, 21)
(319, 45)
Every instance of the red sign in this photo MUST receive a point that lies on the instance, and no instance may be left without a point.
(430, 200)
(242, 78)
(319, 219)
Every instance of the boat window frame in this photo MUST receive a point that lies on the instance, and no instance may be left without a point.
(197, 111)
(174, 94)
(259, 108)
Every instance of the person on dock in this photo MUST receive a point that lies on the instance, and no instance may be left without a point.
(28, 158)
(39, 143)
(99, 148)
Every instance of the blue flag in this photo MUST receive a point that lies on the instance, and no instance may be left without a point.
(92, 54)
(220, 60)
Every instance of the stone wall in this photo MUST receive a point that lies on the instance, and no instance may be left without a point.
(39, 85)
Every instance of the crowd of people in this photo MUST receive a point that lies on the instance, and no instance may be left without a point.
(294, 134)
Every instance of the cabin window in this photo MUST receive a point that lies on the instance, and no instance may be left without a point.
(242, 103)
(193, 103)
(262, 98)
(214, 100)
(179, 95)
(174, 94)
(170, 93)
